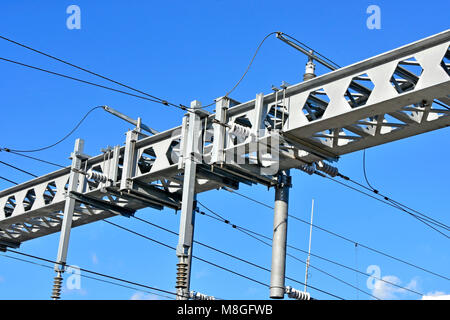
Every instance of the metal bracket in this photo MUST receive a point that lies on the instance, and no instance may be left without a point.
(101, 204)
(5, 244)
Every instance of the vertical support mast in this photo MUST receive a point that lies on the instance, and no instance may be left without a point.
(280, 219)
(188, 205)
(66, 226)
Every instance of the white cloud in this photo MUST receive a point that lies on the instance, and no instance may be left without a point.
(436, 295)
(143, 296)
(387, 291)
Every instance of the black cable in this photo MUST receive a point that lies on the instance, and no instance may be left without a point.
(365, 173)
(423, 220)
(10, 181)
(93, 272)
(77, 79)
(216, 214)
(441, 104)
(18, 169)
(89, 277)
(398, 204)
(204, 245)
(346, 239)
(246, 71)
(220, 251)
(198, 258)
(57, 142)
(32, 158)
(250, 232)
(318, 269)
(162, 101)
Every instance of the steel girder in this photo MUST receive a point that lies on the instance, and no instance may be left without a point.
(382, 99)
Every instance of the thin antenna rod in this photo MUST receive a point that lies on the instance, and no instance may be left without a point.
(309, 247)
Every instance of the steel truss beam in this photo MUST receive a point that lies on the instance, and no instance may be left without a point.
(321, 118)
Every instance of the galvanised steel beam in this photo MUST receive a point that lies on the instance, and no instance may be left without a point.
(321, 118)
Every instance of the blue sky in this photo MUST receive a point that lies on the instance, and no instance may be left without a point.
(186, 50)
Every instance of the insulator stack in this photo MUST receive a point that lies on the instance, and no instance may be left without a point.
(297, 294)
(240, 131)
(182, 270)
(99, 177)
(57, 284)
(330, 170)
(308, 168)
(200, 296)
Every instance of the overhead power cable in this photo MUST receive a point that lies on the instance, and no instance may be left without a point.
(395, 203)
(333, 66)
(32, 158)
(365, 173)
(94, 272)
(313, 267)
(402, 207)
(246, 70)
(354, 242)
(255, 235)
(198, 258)
(215, 249)
(18, 169)
(155, 99)
(57, 142)
(89, 277)
(256, 53)
(79, 80)
(10, 181)
(421, 219)
(251, 263)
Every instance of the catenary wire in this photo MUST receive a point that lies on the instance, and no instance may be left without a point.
(57, 142)
(10, 181)
(365, 173)
(345, 238)
(18, 169)
(32, 158)
(313, 267)
(374, 190)
(220, 217)
(89, 277)
(173, 248)
(79, 80)
(248, 68)
(255, 235)
(162, 101)
(266, 269)
(216, 265)
(246, 71)
(423, 220)
(396, 204)
(94, 272)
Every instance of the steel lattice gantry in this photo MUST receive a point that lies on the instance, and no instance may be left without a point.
(394, 95)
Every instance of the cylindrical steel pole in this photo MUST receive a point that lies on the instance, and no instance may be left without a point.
(280, 220)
